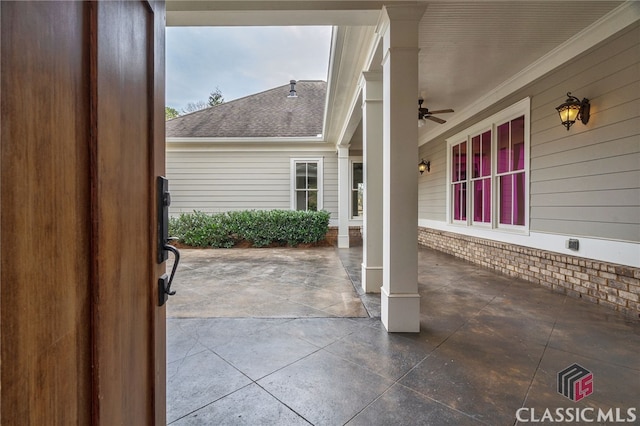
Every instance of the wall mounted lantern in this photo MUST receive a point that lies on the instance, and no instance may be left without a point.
(422, 166)
(573, 109)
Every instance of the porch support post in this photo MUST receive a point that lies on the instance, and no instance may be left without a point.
(372, 177)
(400, 299)
(343, 196)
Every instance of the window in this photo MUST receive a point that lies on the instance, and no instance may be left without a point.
(357, 187)
(481, 177)
(511, 172)
(306, 191)
(459, 181)
(490, 160)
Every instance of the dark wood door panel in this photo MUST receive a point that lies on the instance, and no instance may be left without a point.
(44, 231)
(122, 198)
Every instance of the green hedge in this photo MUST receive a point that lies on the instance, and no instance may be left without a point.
(260, 227)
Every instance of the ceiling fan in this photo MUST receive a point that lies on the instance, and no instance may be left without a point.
(424, 113)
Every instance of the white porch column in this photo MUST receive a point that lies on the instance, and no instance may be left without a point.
(372, 177)
(343, 197)
(400, 298)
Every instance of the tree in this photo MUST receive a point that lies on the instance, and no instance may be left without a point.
(170, 113)
(215, 97)
(194, 106)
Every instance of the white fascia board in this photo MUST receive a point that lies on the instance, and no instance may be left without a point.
(245, 140)
(350, 125)
(355, 106)
(620, 252)
(331, 75)
(247, 144)
(616, 20)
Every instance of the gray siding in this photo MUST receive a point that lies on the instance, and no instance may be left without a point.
(585, 181)
(219, 181)
(432, 186)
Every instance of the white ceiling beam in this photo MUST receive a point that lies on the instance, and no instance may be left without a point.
(272, 13)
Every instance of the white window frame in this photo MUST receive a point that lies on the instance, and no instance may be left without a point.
(292, 189)
(471, 180)
(521, 108)
(352, 161)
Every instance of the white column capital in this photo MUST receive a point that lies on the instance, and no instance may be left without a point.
(403, 12)
(371, 86)
(400, 13)
(343, 151)
(368, 76)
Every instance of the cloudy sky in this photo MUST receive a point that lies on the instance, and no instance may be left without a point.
(240, 60)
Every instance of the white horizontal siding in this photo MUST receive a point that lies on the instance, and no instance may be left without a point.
(218, 181)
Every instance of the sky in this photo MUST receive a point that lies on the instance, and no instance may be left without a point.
(241, 61)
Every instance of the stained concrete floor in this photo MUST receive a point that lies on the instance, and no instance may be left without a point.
(489, 345)
(266, 282)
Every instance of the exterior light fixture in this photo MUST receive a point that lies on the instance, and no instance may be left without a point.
(573, 109)
(422, 166)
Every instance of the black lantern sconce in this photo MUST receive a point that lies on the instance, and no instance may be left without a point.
(573, 109)
(422, 166)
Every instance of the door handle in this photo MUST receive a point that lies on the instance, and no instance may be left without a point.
(176, 260)
(163, 198)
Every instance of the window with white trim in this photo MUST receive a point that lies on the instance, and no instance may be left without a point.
(306, 184)
(488, 172)
(357, 188)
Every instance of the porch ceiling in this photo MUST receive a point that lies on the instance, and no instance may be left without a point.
(467, 48)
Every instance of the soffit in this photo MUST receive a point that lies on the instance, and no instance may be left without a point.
(467, 49)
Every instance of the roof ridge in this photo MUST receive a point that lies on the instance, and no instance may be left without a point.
(244, 97)
(269, 90)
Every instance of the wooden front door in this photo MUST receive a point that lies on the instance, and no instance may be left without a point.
(82, 132)
(124, 234)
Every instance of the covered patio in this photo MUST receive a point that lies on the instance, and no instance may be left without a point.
(489, 352)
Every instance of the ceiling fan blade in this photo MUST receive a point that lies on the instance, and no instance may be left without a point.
(441, 111)
(436, 119)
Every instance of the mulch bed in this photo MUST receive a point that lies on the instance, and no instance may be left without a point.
(248, 244)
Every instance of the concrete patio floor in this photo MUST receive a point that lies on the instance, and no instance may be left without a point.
(489, 345)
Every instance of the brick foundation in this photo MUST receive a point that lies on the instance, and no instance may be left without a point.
(355, 236)
(614, 286)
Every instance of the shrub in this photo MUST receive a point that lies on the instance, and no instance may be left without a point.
(199, 229)
(260, 227)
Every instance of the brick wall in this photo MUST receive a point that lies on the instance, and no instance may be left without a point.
(614, 286)
(355, 236)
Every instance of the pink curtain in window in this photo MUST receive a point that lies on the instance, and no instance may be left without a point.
(458, 177)
(460, 201)
(481, 147)
(511, 159)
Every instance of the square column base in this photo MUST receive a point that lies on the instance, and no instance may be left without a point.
(400, 312)
(343, 241)
(371, 278)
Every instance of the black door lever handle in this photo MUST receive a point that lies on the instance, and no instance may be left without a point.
(176, 254)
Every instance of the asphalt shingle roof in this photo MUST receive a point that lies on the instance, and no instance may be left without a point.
(267, 114)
